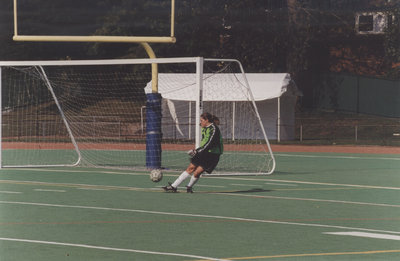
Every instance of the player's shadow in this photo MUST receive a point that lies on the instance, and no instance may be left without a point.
(253, 190)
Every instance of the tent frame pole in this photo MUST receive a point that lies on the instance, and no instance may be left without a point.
(199, 98)
(190, 120)
(233, 119)
(278, 134)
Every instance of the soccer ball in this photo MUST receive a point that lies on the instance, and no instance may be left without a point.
(156, 175)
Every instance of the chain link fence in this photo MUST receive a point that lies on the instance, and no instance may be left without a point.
(342, 129)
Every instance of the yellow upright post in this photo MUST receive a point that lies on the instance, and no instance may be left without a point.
(15, 18)
(154, 68)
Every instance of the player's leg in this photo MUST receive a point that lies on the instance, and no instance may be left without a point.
(193, 180)
(182, 177)
(208, 163)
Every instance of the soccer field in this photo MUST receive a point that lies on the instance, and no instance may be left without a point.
(293, 105)
(316, 206)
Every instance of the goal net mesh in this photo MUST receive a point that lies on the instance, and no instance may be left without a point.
(95, 115)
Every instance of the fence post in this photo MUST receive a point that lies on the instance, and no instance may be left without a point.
(301, 133)
(356, 133)
(1, 122)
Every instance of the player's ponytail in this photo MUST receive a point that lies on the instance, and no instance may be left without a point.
(215, 120)
(211, 118)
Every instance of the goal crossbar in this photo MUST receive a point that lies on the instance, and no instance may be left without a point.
(95, 38)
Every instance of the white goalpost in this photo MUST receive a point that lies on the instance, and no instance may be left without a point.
(96, 113)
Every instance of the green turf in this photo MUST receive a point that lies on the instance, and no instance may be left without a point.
(283, 216)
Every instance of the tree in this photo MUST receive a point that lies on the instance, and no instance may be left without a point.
(392, 44)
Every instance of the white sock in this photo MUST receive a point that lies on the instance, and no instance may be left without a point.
(192, 181)
(180, 179)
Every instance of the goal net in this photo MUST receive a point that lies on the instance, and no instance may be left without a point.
(98, 114)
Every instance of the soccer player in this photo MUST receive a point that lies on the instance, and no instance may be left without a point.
(204, 158)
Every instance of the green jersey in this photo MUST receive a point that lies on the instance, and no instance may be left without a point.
(211, 140)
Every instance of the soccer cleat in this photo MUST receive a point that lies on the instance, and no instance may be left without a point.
(189, 189)
(169, 188)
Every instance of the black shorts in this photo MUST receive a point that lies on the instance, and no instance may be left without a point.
(207, 160)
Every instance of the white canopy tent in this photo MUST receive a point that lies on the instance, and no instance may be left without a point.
(275, 95)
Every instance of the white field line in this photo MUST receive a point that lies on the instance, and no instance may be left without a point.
(246, 185)
(209, 186)
(105, 248)
(280, 184)
(50, 190)
(10, 192)
(311, 199)
(96, 171)
(314, 183)
(75, 185)
(363, 234)
(78, 170)
(92, 189)
(335, 157)
(267, 183)
(194, 215)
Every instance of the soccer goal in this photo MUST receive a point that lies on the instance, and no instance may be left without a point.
(97, 113)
